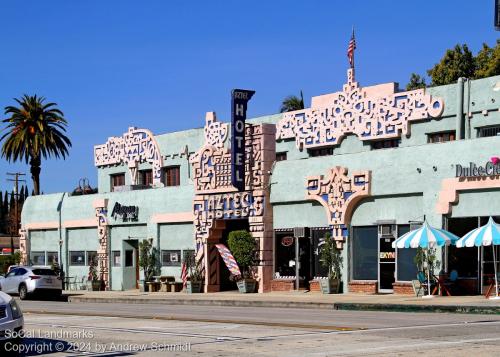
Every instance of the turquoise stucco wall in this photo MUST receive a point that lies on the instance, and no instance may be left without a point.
(399, 191)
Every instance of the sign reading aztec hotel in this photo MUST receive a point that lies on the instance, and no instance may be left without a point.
(490, 169)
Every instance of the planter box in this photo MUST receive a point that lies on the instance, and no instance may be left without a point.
(282, 285)
(401, 288)
(363, 286)
(194, 287)
(95, 285)
(314, 286)
(143, 288)
(246, 286)
(329, 286)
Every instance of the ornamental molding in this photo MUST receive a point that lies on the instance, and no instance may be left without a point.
(134, 147)
(339, 194)
(358, 111)
(451, 188)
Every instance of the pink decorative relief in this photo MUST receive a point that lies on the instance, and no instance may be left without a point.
(101, 212)
(338, 194)
(357, 111)
(134, 147)
(216, 200)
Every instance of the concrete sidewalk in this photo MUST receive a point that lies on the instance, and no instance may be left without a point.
(304, 300)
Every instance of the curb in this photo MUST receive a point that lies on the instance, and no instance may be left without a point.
(211, 302)
(458, 309)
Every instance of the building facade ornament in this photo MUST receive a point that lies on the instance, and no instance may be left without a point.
(101, 212)
(355, 111)
(339, 194)
(134, 147)
(216, 199)
(23, 246)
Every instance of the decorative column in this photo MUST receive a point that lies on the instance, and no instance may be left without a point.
(24, 246)
(101, 211)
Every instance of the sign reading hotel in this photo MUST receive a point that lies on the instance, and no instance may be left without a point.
(472, 170)
(239, 100)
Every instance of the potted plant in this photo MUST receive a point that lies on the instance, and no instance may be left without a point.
(243, 247)
(194, 282)
(93, 283)
(331, 259)
(148, 262)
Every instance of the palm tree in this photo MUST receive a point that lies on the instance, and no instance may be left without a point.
(291, 103)
(34, 130)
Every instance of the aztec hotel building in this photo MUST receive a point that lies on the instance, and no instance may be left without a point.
(364, 163)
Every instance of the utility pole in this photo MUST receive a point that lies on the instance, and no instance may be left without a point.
(16, 181)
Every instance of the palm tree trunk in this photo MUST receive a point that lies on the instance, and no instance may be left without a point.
(35, 169)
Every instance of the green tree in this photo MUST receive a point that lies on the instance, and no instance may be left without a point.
(457, 62)
(488, 61)
(416, 82)
(291, 103)
(331, 257)
(34, 130)
(243, 246)
(148, 259)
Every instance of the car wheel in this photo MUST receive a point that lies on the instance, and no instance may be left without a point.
(23, 292)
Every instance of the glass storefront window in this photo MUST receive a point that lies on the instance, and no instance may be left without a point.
(52, 257)
(407, 269)
(365, 253)
(77, 258)
(38, 258)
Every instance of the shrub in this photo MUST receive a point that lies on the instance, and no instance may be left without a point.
(243, 247)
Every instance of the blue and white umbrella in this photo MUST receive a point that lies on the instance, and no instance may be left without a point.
(486, 235)
(425, 237)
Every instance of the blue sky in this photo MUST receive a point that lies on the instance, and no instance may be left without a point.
(162, 64)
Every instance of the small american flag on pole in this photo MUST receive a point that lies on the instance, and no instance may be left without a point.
(184, 274)
(351, 48)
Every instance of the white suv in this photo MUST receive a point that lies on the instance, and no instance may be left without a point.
(24, 280)
(11, 318)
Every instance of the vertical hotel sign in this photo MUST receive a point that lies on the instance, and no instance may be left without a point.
(239, 100)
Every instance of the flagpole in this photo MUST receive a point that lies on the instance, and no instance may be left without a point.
(352, 66)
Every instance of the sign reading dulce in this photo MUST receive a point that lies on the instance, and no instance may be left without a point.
(239, 100)
(127, 213)
(490, 169)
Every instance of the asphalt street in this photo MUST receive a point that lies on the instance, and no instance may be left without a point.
(70, 329)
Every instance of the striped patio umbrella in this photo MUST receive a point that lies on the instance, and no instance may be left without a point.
(486, 235)
(425, 237)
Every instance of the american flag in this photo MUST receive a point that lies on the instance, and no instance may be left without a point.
(350, 49)
(184, 274)
(229, 260)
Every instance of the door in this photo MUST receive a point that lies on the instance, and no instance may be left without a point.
(386, 258)
(136, 262)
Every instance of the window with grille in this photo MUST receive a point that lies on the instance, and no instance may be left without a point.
(116, 259)
(386, 144)
(441, 137)
(146, 177)
(281, 156)
(171, 257)
(489, 131)
(117, 180)
(320, 152)
(172, 176)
